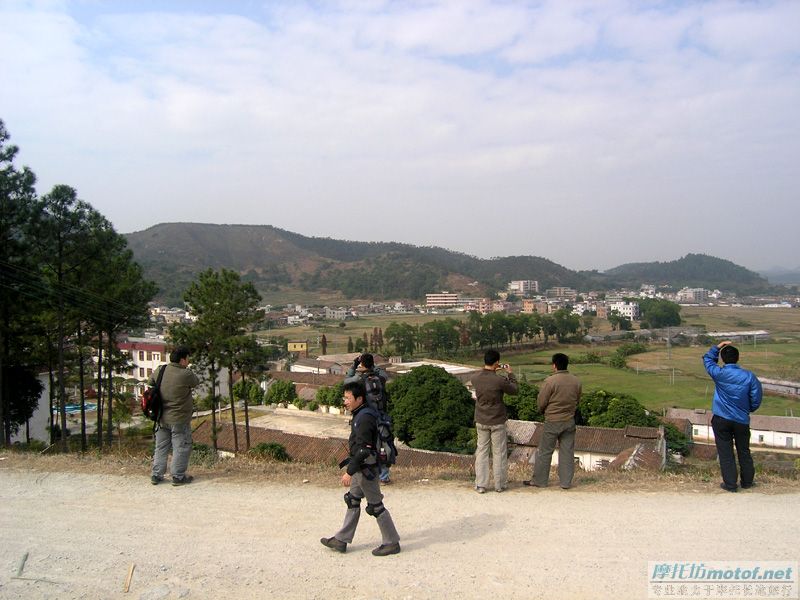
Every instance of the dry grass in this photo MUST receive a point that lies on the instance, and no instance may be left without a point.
(693, 478)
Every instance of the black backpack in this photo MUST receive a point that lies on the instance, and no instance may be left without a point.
(375, 387)
(385, 450)
(152, 402)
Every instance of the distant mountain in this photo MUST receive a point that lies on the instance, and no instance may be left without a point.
(172, 254)
(779, 276)
(693, 270)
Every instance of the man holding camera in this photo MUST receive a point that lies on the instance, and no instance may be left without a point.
(491, 420)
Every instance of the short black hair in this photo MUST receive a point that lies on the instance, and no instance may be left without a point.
(561, 361)
(729, 354)
(367, 360)
(491, 357)
(178, 354)
(356, 388)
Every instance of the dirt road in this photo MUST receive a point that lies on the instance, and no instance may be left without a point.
(221, 539)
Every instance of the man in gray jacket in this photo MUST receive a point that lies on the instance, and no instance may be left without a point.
(558, 398)
(175, 426)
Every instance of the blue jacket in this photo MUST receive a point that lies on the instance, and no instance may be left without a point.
(738, 391)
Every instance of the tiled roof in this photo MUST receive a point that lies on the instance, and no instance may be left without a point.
(604, 440)
(638, 457)
(312, 378)
(521, 432)
(704, 451)
(701, 416)
(311, 449)
(682, 425)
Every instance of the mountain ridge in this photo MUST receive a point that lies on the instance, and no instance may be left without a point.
(172, 254)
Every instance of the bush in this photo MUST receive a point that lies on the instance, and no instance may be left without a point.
(312, 406)
(271, 451)
(631, 348)
(299, 403)
(523, 406)
(202, 454)
(617, 361)
(590, 358)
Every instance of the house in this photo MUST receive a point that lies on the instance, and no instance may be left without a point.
(315, 365)
(596, 447)
(145, 355)
(765, 430)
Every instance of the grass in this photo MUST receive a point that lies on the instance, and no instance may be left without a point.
(695, 477)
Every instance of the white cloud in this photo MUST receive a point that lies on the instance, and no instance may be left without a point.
(572, 117)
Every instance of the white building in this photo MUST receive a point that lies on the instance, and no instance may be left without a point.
(523, 287)
(441, 300)
(765, 430)
(692, 295)
(629, 310)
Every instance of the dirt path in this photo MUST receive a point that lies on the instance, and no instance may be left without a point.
(219, 538)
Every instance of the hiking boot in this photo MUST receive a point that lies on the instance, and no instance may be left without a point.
(183, 481)
(386, 549)
(337, 545)
(155, 479)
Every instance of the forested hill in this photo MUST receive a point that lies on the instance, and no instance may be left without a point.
(693, 270)
(172, 255)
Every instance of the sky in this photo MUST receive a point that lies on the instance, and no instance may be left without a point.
(590, 133)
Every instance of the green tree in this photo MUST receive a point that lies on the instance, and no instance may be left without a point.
(331, 395)
(225, 308)
(622, 411)
(440, 337)
(566, 324)
(432, 410)
(403, 336)
(659, 313)
(523, 406)
(281, 392)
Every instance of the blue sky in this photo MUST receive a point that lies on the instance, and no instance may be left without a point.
(590, 133)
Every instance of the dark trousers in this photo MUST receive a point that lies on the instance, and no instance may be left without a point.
(726, 433)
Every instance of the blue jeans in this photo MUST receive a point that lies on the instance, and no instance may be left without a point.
(384, 473)
(179, 437)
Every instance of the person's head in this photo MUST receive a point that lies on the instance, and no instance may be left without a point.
(491, 357)
(367, 361)
(354, 394)
(180, 353)
(560, 361)
(729, 355)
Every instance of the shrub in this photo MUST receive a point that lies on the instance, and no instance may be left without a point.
(617, 361)
(312, 406)
(202, 454)
(272, 451)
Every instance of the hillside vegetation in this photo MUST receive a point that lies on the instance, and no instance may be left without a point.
(275, 260)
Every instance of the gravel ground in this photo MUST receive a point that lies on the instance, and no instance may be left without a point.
(225, 537)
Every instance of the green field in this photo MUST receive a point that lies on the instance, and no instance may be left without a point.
(660, 378)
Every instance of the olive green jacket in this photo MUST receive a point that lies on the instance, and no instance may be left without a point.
(176, 392)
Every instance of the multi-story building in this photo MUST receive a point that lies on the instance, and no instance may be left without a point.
(523, 287)
(629, 310)
(145, 355)
(441, 300)
(561, 292)
(693, 295)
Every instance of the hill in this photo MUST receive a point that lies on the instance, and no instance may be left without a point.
(693, 270)
(273, 259)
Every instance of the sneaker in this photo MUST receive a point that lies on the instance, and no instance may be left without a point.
(748, 486)
(480, 490)
(530, 483)
(338, 545)
(386, 549)
(183, 481)
(155, 479)
(726, 488)
(501, 489)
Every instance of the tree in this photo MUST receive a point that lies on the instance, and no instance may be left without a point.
(225, 308)
(440, 336)
(331, 395)
(432, 410)
(349, 344)
(523, 405)
(566, 324)
(281, 392)
(658, 313)
(403, 337)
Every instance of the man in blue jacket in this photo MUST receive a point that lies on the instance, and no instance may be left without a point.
(737, 394)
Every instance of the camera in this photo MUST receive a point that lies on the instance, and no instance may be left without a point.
(504, 365)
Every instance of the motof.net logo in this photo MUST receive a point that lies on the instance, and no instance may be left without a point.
(721, 579)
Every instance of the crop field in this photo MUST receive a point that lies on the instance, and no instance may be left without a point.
(659, 378)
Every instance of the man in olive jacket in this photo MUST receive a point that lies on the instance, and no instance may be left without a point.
(175, 426)
(558, 399)
(491, 420)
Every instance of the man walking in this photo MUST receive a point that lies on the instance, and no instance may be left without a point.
(737, 393)
(558, 398)
(362, 477)
(374, 379)
(491, 420)
(174, 429)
